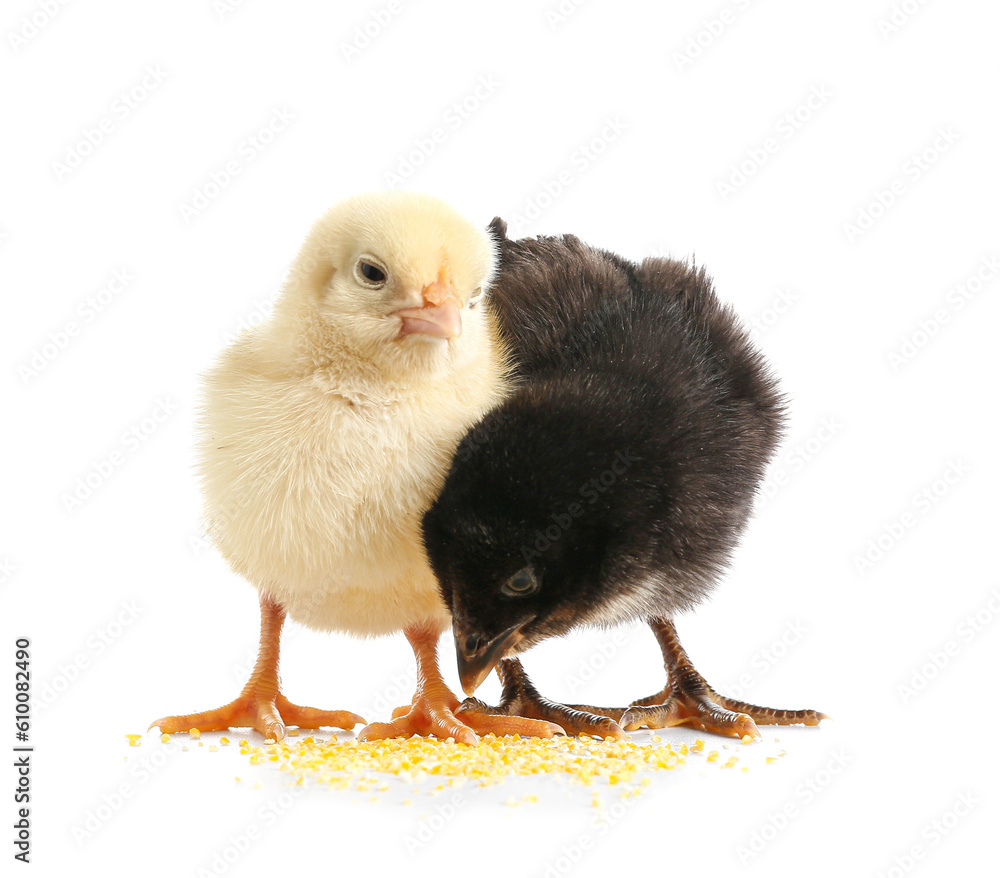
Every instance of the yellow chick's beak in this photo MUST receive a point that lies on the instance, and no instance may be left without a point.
(439, 316)
(437, 321)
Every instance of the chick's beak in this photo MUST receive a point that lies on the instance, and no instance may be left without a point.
(478, 656)
(439, 316)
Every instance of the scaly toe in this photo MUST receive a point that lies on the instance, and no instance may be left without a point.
(437, 725)
(632, 719)
(314, 718)
(381, 731)
(487, 720)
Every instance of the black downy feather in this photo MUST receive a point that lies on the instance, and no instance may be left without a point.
(622, 471)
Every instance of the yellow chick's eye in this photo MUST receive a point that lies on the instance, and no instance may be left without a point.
(521, 584)
(476, 297)
(370, 272)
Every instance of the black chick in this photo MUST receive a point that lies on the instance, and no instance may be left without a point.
(613, 484)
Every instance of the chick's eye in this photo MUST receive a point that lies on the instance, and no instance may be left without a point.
(521, 584)
(475, 298)
(372, 273)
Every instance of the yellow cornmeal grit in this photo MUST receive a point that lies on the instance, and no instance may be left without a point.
(351, 764)
(366, 766)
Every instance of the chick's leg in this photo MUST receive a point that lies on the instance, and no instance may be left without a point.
(261, 705)
(521, 698)
(432, 711)
(687, 699)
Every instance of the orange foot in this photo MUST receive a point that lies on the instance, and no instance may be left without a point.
(261, 705)
(268, 713)
(432, 711)
(435, 715)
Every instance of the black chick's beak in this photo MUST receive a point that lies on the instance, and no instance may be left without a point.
(477, 656)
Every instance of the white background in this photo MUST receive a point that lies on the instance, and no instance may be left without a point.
(798, 622)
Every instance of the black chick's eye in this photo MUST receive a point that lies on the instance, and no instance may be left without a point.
(372, 273)
(521, 584)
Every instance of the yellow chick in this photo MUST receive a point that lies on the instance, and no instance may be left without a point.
(326, 433)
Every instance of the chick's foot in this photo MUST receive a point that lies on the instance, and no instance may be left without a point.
(689, 700)
(445, 718)
(520, 698)
(269, 713)
(433, 710)
(261, 705)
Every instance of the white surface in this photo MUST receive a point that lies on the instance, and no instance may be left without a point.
(550, 88)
